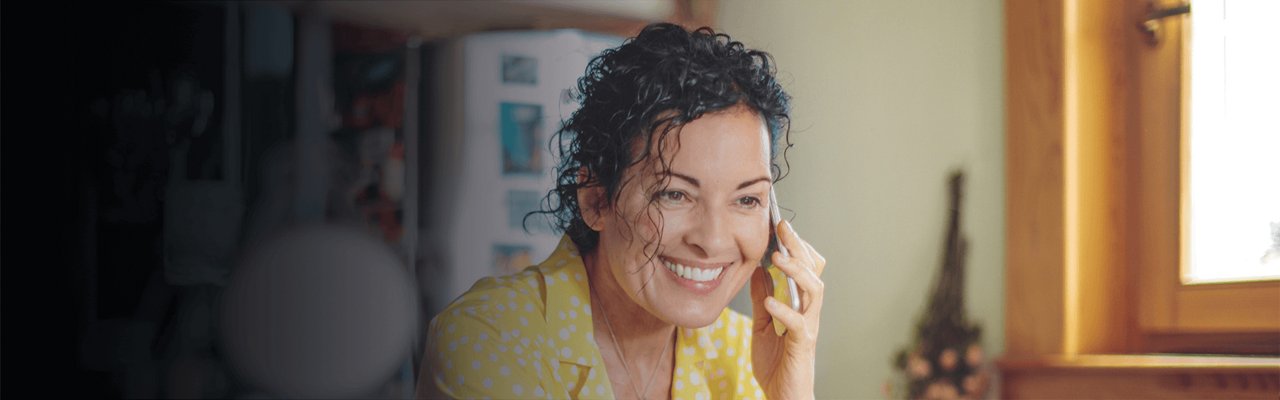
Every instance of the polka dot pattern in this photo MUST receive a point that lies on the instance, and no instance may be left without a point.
(530, 335)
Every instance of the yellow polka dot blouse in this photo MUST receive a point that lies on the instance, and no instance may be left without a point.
(529, 335)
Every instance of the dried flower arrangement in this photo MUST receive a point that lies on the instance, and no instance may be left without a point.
(945, 359)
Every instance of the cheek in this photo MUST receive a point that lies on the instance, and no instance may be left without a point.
(647, 229)
(641, 231)
(669, 225)
(754, 236)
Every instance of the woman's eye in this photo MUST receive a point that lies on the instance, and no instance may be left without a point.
(749, 202)
(671, 196)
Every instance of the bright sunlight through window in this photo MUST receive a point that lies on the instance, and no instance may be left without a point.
(1234, 166)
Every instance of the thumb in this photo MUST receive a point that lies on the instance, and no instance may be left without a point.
(760, 283)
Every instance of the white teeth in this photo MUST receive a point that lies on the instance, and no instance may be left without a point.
(693, 274)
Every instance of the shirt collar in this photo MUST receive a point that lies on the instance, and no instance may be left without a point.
(569, 305)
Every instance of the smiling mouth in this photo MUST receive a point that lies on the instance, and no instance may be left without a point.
(693, 273)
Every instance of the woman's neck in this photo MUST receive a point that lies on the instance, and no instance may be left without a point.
(640, 334)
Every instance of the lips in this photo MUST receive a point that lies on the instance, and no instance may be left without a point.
(698, 274)
(698, 277)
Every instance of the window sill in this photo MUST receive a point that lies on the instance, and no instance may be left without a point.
(1141, 376)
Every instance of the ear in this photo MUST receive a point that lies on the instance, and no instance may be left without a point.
(589, 203)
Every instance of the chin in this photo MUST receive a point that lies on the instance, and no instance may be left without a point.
(695, 320)
(696, 313)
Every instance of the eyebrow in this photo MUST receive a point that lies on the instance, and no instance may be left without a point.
(694, 181)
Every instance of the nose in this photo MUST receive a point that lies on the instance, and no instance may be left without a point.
(712, 232)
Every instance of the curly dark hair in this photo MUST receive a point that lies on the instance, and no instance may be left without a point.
(653, 84)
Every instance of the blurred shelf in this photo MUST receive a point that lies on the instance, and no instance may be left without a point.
(446, 18)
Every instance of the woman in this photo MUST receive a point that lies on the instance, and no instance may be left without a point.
(663, 195)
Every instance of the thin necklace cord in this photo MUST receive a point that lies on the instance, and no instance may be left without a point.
(623, 358)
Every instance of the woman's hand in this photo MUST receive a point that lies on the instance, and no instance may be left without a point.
(783, 365)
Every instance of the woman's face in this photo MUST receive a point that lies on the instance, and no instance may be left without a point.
(681, 240)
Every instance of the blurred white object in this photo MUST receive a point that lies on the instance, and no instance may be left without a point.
(319, 312)
(468, 197)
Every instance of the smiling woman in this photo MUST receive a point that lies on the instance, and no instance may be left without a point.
(703, 218)
(663, 196)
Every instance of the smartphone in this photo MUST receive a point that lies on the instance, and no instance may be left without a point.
(790, 295)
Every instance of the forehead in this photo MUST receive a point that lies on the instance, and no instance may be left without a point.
(733, 141)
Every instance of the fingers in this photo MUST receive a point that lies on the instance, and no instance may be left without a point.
(795, 244)
(787, 234)
(798, 247)
(811, 287)
(791, 319)
(819, 262)
(804, 265)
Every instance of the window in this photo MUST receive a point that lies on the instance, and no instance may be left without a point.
(1188, 127)
(1097, 227)
(1234, 142)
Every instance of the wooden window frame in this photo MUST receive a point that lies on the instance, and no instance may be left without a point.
(1095, 218)
(1172, 313)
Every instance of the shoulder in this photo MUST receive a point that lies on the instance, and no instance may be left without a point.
(477, 346)
(493, 305)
